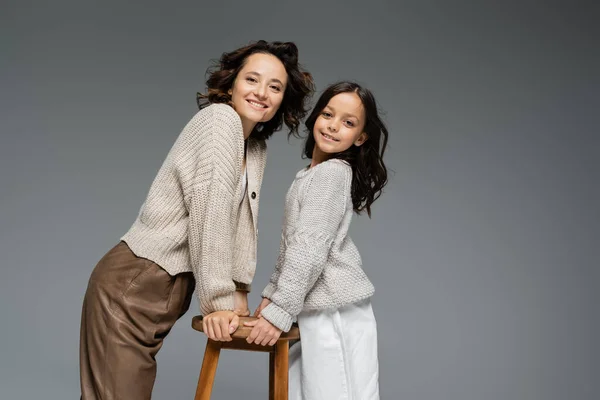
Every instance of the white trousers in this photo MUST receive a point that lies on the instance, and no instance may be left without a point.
(336, 358)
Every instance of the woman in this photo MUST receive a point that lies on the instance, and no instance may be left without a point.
(197, 227)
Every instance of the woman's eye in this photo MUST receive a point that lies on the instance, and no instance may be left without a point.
(276, 88)
(250, 79)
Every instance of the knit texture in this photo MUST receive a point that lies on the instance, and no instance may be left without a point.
(319, 266)
(192, 219)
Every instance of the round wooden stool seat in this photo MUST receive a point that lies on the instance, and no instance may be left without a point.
(278, 358)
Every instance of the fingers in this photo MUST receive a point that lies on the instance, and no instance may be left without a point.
(263, 333)
(257, 331)
(267, 339)
(272, 336)
(216, 326)
(224, 328)
(220, 325)
(209, 330)
(260, 337)
(253, 334)
(233, 325)
(205, 327)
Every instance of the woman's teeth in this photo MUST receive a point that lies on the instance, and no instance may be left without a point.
(257, 104)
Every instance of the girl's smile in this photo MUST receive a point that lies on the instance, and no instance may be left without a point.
(339, 126)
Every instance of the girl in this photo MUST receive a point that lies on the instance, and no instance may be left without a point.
(318, 279)
(197, 227)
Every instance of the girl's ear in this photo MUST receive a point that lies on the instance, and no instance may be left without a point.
(361, 139)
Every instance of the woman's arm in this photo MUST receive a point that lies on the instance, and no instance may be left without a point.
(272, 285)
(211, 200)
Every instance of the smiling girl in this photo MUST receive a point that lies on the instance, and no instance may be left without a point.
(197, 227)
(318, 278)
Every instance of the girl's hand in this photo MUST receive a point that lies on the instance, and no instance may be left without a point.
(240, 303)
(219, 325)
(265, 302)
(263, 332)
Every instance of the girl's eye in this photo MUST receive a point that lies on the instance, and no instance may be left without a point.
(350, 123)
(326, 114)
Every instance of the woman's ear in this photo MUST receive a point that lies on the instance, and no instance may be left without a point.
(361, 139)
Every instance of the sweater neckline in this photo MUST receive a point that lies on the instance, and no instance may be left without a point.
(308, 170)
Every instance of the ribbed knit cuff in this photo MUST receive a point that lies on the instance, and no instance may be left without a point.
(243, 287)
(219, 303)
(269, 290)
(277, 316)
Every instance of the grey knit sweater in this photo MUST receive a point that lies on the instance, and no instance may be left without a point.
(318, 266)
(192, 219)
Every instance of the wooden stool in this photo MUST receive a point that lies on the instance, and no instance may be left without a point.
(278, 358)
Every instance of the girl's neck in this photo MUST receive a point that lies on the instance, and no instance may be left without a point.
(318, 156)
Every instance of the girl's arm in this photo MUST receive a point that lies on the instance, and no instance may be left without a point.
(322, 208)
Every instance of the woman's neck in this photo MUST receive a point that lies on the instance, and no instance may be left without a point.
(247, 128)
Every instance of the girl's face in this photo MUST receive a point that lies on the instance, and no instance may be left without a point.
(340, 124)
(258, 89)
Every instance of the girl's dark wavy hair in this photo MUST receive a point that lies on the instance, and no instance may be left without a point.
(300, 85)
(369, 174)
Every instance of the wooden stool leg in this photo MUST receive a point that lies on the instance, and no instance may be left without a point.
(208, 371)
(271, 375)
(280, 366)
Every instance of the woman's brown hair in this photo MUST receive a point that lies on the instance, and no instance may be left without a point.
(300, 85)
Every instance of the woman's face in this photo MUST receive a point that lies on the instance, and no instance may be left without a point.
(258, 89)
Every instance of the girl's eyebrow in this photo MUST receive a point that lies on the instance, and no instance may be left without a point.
(259, 75)
(345, 114)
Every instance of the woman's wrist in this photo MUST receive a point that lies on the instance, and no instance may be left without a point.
(240, 303)
(242, 287)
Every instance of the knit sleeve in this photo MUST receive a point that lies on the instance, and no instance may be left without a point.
(211, 205)
(272, 285)
(323, 203)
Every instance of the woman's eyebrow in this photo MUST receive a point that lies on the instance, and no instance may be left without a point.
(259, 75)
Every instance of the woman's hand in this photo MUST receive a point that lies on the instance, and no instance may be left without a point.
(263, 332)
(240, 303)
(265, 302)
(219, 325)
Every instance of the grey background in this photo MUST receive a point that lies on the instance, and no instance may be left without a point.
(483, 249)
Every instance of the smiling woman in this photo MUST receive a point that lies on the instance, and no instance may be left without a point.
(258, 91)
(197, 227)
(295, 84)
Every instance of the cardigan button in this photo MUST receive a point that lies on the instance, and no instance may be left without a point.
(253, 195)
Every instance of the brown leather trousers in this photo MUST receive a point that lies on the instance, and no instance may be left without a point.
(130, 306)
